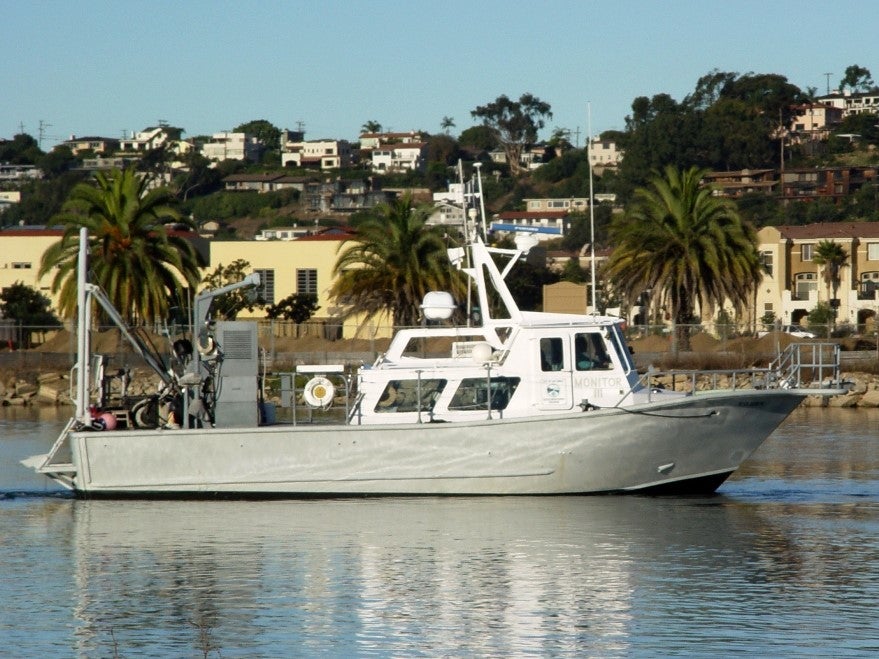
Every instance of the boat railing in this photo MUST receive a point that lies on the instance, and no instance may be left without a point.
(799, 365)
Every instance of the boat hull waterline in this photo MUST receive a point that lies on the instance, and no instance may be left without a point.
(685, 445)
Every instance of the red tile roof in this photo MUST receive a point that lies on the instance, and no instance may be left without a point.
(828, 230)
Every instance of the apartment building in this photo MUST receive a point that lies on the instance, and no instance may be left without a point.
(793, 283)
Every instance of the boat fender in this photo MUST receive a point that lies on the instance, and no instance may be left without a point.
(106, 421)
(319, 392)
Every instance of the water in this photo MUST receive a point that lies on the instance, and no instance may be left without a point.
(784, 562)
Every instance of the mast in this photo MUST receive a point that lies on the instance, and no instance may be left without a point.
(83, 317)
(591, 208)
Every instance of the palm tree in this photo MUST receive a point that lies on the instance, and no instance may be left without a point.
(132, 256)
(371, 126)
(447, 123)
(685, 245)
(833, 257)
(392, 262)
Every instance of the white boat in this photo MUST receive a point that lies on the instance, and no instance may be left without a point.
(525, 403)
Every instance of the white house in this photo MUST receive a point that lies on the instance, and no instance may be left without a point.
(604, 153)
(226, 145)
(320, 154)
(399, 157)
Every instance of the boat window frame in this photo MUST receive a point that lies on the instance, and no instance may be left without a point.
(503, 388)
(397, 394)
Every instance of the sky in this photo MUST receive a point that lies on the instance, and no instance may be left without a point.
(111, 67)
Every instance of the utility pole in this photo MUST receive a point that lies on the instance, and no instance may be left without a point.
(43, 126)
(577, 139)
(827, 75)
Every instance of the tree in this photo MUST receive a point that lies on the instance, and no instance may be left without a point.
(29, 307)
(140, 264)
(515, 123)
(832, 257)
(392, 262)
(478, 137)
(856, 78)
(23, 149)
(371, 126)
(298, 307)
(264, 131)
(686, 246)
(447, 123)
(229, 305)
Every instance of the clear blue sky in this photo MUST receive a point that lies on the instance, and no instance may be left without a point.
(98, 67)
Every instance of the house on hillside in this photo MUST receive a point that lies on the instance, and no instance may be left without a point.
(317, 154)
(78, 145)
(853, 102)
(742, 182)
(227, 145)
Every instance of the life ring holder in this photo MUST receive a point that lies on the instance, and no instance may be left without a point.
(319, 392)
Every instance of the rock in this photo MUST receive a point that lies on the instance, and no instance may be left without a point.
(870, 399)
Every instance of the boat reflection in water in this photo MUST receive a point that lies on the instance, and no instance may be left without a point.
(600, 576)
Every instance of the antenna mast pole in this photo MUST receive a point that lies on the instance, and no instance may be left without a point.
(591, 207)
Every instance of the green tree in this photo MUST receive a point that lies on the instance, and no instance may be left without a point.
(22, 149)
(447, 123)
(298, 307)
(821, 319)
(229, 305)
(832, 257)
(478, 137)
(141, 266)
(268, 134)
(515, 123)
(29, 307)
(394, 260)
(857, 79)
(685, 245)
(371, 126)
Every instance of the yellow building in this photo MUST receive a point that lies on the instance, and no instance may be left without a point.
(793, 283)
(20, 252)
(302, 265)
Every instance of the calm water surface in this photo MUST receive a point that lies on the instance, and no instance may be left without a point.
(783, 562)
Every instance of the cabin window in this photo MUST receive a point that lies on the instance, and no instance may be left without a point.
(403, 395)
(471, 394)
(552, 356)
(590, 353)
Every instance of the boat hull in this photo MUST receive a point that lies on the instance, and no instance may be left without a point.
(686, 445)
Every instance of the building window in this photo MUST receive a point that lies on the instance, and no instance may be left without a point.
(21, 266)
(306, 281)
(806, 251)
(766, 260)
(266, 288)
(873, 251)
(805, 282)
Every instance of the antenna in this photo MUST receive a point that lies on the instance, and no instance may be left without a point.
(591, 206)
(827, 75)
(43, 126)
